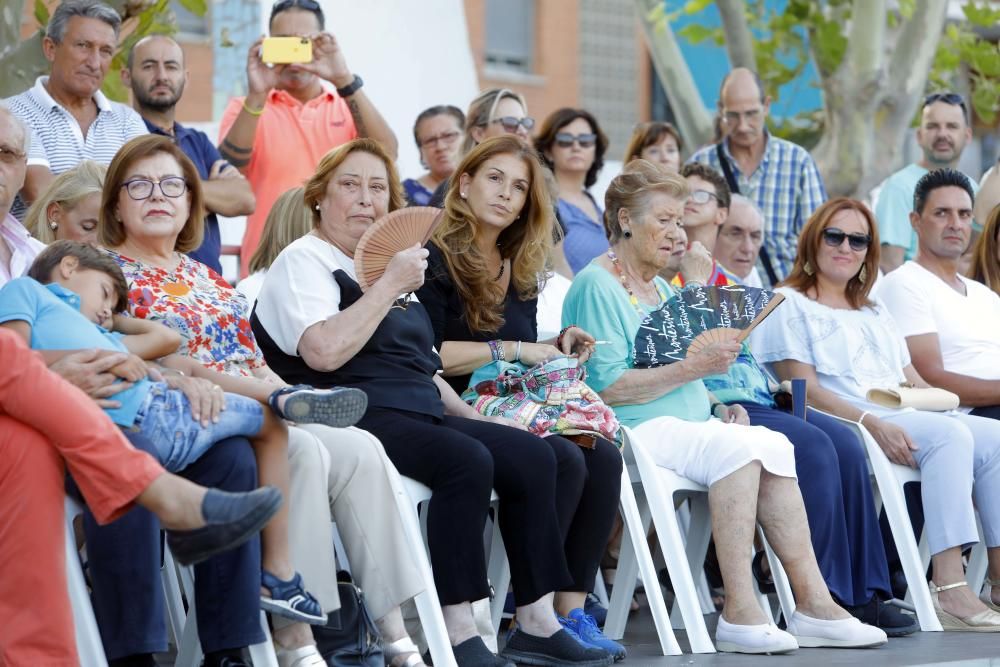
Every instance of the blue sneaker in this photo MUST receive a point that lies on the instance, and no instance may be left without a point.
(585, 628)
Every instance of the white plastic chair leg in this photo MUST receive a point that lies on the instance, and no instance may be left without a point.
(975, 572)
(89, 647)
(781, 584)
(499, 575)
(601, 590)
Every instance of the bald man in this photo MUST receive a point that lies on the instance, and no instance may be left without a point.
(740, 238)
(780, 177)
(17, 248)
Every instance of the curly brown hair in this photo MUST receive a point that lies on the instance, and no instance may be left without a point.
(527, 242)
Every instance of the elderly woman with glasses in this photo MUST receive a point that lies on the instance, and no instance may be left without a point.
(438, 131)
(749, 470)
(572, 144)
(844, 344)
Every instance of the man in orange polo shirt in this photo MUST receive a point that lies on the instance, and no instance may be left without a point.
(289, 119)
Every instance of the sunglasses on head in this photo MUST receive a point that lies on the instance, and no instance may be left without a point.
(510, 124)
(565, 139)
(835, 237)
(953, 99)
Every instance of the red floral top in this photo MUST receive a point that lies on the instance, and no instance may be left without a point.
(199, 304)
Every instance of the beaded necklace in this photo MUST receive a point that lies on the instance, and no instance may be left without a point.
(632, 298)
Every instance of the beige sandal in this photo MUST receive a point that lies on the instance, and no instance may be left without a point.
(986, 594)
(402, 646)
(987, 620)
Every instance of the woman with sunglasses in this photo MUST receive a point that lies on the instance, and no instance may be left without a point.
(438, 133)
(493, 113)
(573, 145)
(844, 344)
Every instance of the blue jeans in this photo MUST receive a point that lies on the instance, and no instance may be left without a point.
(165, 419)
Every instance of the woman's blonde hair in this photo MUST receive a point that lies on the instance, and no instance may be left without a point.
(315, 188)
(68, 189)
(482, 111)
(111, 230)
(288, 220)
(527, 242)
(631, 189)
(985, 265)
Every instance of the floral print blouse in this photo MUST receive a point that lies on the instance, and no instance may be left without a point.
(198, 303)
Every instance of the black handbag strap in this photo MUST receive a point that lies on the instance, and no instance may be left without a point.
(734, 187)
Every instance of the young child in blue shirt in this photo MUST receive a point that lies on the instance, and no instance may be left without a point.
(85, 288)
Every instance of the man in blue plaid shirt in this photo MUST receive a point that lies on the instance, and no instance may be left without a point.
(779, 176)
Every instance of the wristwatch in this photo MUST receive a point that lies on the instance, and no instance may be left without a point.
(352, 87)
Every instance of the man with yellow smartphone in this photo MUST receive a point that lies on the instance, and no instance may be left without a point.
(302, 101)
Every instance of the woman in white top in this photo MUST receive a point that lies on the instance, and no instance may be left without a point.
(844, 344)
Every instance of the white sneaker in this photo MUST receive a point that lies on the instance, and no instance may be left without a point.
(844, 633)
(764, 638)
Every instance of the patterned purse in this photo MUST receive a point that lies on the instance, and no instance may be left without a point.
(550, 398)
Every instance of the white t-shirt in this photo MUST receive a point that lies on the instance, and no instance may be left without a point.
(968, 326)
(852, 350)
(299, 290)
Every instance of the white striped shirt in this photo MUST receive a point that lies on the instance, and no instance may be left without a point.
(58, 143)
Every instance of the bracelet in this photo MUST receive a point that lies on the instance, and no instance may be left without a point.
(861, 419)
(517, 355)
(714, 406)
(253, 112)
(496, 350)
(562, 333)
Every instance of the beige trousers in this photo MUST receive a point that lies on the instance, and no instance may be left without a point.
(343, 475)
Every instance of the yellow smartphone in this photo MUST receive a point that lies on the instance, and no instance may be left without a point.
(285, 50)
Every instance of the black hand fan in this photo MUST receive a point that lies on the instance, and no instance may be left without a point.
(699, 316)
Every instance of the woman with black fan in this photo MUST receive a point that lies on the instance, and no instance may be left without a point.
(323, 315)
(749, 470)
(487, 263)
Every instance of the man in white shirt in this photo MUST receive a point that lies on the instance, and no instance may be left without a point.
(739, 240)
(70, 118)
(17, 249)
(950, 322)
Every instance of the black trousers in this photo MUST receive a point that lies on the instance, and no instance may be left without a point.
(557, 503)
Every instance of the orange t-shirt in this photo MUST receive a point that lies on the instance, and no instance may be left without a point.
(291, 139)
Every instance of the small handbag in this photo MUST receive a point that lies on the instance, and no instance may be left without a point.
(350, 637)
(550, 398)
(921, 398)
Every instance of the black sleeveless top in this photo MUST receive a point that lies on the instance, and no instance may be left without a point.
(396, 366)
(447, 314)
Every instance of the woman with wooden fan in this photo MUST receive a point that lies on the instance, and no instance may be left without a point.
(486, 266)
(845, 345)
(335, 308)
(749, 470)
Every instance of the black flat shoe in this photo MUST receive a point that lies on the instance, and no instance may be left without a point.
(885, 616)
(474, 653)
(231, 518)
(559, 650)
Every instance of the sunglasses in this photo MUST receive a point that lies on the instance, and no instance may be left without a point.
(703, 196)
(565, 139)
(835, 237)
(510, 124)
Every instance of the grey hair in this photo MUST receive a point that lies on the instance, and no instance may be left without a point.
(20, 124)
(736, 199)
(91, 9)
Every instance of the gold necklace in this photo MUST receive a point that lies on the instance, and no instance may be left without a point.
(632, 298)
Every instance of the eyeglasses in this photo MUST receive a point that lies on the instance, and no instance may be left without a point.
(11, 156)
(703, 196)
(953, 99)
(142, 188)
(510, 124)
(751, 116)
(445, 139)
(835, 237)
(565, 139)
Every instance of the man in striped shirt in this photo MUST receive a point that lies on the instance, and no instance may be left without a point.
(777, 175)
(70, 119)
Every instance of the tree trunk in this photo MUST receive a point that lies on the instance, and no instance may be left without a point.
(10, 23)
(739, 41)
(21, 65)
(693, 120)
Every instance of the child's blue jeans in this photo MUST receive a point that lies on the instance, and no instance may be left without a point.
(165, 419)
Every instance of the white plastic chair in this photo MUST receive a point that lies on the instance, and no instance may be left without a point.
(890, 479)
(684, 554)
(89, 647)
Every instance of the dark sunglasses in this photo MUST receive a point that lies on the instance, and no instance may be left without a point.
(953, 99)
(835, 237)
(510, 124)
(565, 139)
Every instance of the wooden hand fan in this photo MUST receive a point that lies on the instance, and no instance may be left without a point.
(389, 235)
